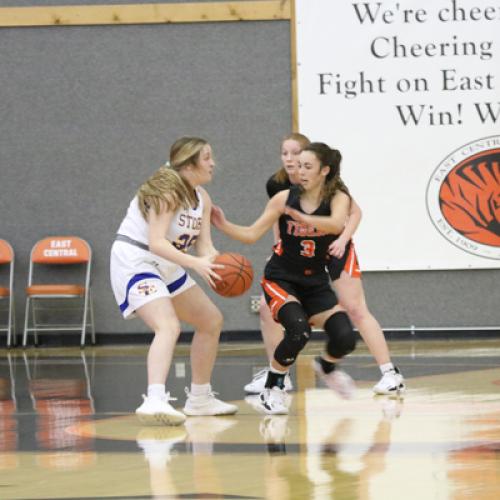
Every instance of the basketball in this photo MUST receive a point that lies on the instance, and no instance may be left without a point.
(237, 275)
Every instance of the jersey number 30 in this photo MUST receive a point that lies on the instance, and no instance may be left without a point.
(308, 248)
(184, 241)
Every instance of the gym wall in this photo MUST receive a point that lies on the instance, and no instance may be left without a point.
(90, 111)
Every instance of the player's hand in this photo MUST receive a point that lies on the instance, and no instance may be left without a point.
(296, 214)
(207, 269)
(217, 217)
(337, 247)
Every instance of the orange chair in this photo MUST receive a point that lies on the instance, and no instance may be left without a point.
(7, 293)
(64, 252)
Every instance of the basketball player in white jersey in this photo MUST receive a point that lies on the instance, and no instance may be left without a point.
(170, 214)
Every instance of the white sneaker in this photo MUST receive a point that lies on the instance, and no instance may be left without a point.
(157, 443)
(392, 382)
(257, 385)
(338, 380)
(254, 401)
(207, 404)
(274, 401)
(156, 411)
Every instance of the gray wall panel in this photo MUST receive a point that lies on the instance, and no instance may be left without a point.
(435, 298)
(89, 112)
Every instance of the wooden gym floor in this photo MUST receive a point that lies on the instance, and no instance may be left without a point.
(67, 429)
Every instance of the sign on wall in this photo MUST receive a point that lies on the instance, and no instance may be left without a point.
(409, 92)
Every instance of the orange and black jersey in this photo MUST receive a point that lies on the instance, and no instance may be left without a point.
(273, 186)
(302, 248)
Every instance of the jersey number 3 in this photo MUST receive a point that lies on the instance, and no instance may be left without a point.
(308, 248)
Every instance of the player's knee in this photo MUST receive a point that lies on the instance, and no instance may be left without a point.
(170, 327)
(356, 311)
(217, 320)
(341, 336)
(297, 333)
(288, 349)
(211, 321)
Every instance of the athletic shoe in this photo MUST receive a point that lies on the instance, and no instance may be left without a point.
(254, 401)
(158, 411)
(337, 380)
(257, 385)
(274, 401)
(157, 443)
(207, 404)
(392, 382)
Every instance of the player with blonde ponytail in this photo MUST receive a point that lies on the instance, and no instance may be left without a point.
(170, 214)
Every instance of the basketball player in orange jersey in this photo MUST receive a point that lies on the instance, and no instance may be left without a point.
(169, 214)
(296, 284)
(346, 277)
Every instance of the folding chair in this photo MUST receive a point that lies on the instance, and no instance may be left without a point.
(58, 252)
(7, 293)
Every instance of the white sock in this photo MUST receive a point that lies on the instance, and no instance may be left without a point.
(156, 391)
(386, 367)
(200, 389)
(271, 369)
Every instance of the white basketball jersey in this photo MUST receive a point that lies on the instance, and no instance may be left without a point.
(182, 232)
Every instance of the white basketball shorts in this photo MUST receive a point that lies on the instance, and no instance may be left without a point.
(139, 277)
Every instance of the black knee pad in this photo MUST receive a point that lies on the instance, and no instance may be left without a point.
(297, 333)
(341, 336)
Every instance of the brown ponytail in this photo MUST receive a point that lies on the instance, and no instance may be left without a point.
(332, 158)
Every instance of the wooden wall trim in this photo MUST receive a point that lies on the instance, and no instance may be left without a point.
(160, 13)
(293, 69)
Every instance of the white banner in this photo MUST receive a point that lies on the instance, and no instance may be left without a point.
(409, 93)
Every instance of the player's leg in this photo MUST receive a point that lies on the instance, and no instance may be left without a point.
(341, 342)
(272, 335)
(291, 315)
(194, 307)
(351, 296)
(140, 290)
(272, 331)
(159, 316)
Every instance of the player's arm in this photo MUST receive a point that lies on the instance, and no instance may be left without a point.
(353, 220)
(204, 245)
(337, 247)
(273, 188)
(159, 245)
(332, 224)
(250, 234)
(276, 232)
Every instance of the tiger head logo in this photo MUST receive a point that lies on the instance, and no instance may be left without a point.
(463, 197)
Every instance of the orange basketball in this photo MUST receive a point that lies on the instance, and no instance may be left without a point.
(237, 275)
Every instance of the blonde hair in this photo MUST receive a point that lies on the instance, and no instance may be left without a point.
(281, 176)
(166, 188)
